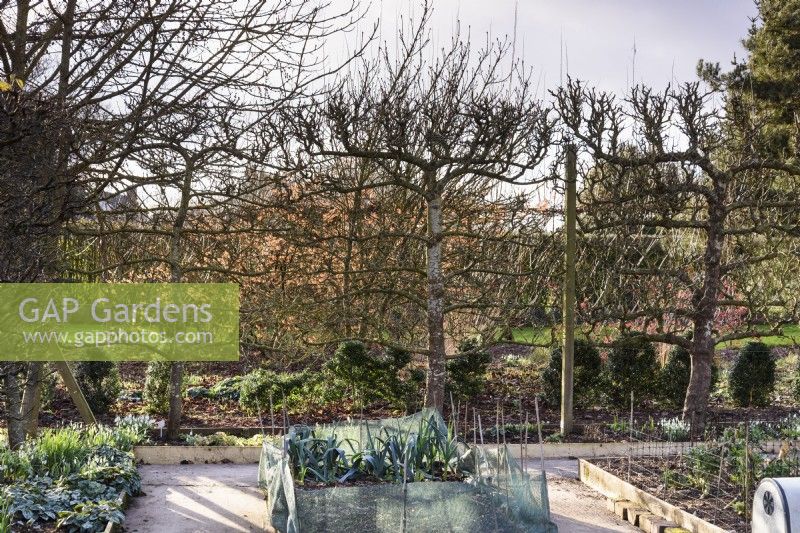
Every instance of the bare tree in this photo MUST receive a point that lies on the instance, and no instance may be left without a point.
(432, 128)
(134, 85)
(683, 220)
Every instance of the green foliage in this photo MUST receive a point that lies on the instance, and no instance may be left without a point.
(5, 516)
(13, 466)
(423, 453)
(373, 375)
(225, 389)
(675, 429)
(228, 388)
(752, 378)
(466, 373)
(259, 385)
(587, 375)
(137, 427)
(631, 367)
(91, 516)
(767, 84)
(74, 474)
(220, 438)
(156, 386)
(100, 383)
(674, 377)
(57, 453)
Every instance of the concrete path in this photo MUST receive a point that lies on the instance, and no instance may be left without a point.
(217, 498)
(221, 498)
(574, 507)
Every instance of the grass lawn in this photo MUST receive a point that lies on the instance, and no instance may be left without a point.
(545, 335)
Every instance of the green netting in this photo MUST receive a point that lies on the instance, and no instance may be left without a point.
(498, 496)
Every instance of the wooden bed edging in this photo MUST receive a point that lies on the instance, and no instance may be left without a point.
(613, 487)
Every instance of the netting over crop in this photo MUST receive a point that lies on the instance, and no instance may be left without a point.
(496, 495)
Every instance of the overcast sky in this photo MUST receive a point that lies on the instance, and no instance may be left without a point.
(599, 35)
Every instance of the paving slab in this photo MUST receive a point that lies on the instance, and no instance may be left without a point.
(213, 498)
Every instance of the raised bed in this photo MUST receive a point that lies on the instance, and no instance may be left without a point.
(175, 455)
(491, 493)
(615, 488)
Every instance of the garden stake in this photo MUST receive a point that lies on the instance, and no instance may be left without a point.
(271, 414)
(521, 460)
(260, 418)
(539, 427)
(452, 407)
(466, 422)
(746, 471)
(480, 428)
(497, 422)
(474, 427)
(526, 442)
(630, 439)
(285, 414)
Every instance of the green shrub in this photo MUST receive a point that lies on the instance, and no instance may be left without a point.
(466, 372)
(631, 367)
(100, 383)
(260, 384)
(752, 377)
(675, 375)
(587, 377)
(228, 388)
(156, 386)
(373, 375)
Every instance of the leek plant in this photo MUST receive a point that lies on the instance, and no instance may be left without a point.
(427, 452)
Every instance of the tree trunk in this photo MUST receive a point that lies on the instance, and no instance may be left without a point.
(175, 400)
(32, 398)
(437, 367)
(14, 420)
(176, 276)
(705, 304)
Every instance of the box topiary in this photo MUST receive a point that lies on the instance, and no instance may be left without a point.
(752, 377)
(587, 376)
(632, 367)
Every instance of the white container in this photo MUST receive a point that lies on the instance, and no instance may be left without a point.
(776, 506)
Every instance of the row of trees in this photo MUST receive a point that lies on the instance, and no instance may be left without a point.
(391, 198)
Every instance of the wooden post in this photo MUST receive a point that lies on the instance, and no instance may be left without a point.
(568, 348)
(75, 392)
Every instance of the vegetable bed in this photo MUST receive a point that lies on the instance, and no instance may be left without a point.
(406, 474)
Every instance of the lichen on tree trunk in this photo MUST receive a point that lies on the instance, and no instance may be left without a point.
(437, 367)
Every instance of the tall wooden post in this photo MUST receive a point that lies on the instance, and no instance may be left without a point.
(568, 348)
